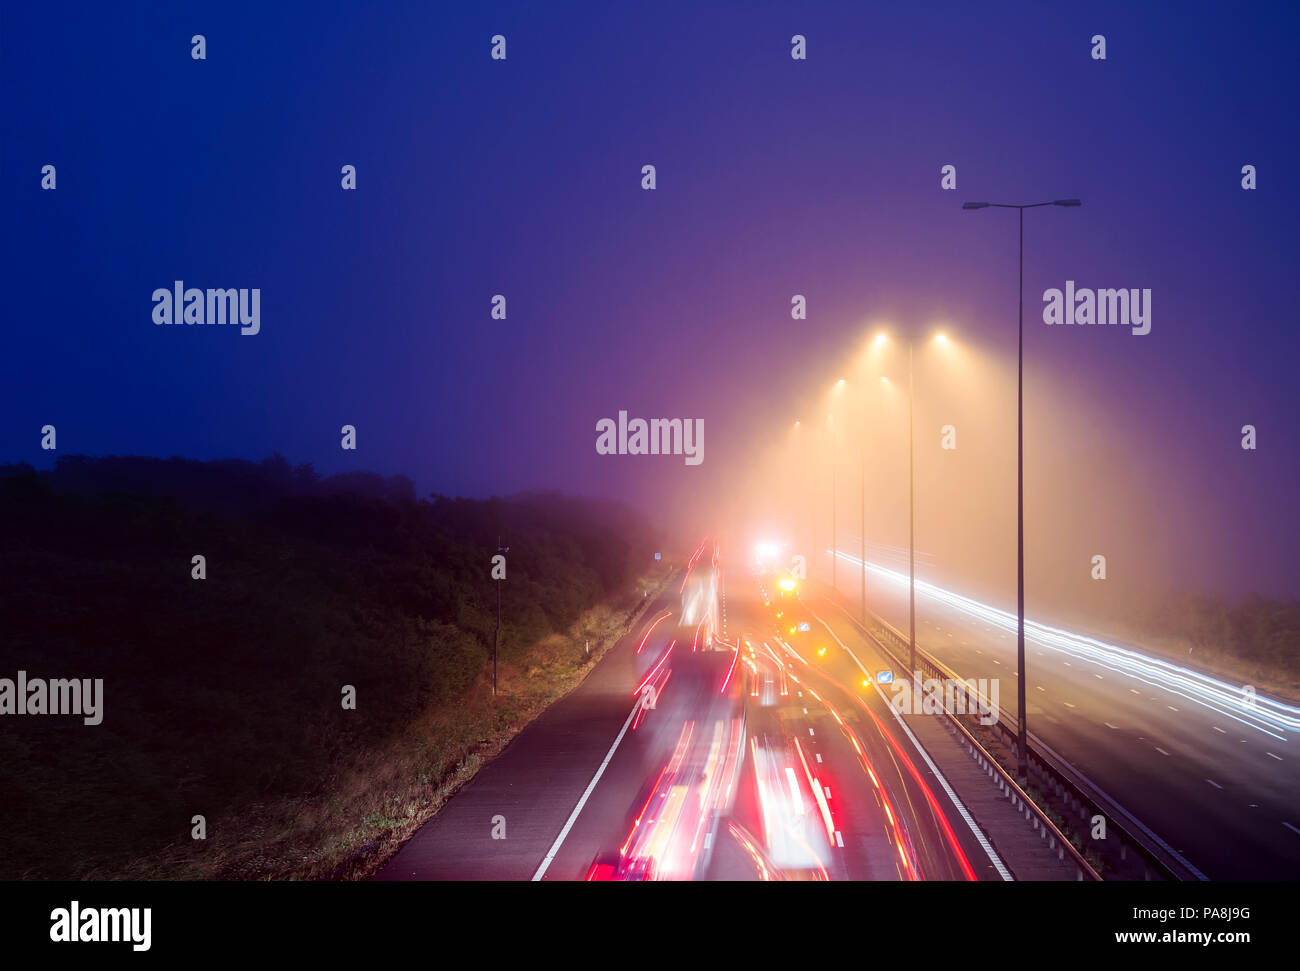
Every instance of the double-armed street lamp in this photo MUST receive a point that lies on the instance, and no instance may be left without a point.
(1021, 730)
(862, 538)
(830, 426)
(835, 547)
(939, 338)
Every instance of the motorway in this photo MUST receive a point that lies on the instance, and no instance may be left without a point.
(1217, 778)
(706, 746)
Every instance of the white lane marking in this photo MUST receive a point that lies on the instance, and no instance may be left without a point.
(1218, 729)
(961, 809)
(819, 756)
(1135, 691)
(1213, 783)
(1278, 757)
(1290, 827)
(1099, 677)
(1069, 704)
(1109, 725)
(573, 816)
(1041, 688)
(708, 840)
(1171, 707)
(811, 732)
(839, 840)
(827, 790)
(1161, 751)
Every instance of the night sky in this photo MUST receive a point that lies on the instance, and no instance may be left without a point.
(775, 177)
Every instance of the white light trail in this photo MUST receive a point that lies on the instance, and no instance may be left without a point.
(1254, 710)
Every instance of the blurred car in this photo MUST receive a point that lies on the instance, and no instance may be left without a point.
(797, 824)
(672, 834)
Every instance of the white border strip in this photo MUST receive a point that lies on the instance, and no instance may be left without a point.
(573, 817)
(975, 830)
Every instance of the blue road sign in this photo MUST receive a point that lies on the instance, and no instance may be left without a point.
(657, 556)
(884, 677)
(804, 626)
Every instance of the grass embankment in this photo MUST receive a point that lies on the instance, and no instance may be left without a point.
(367, 808)
(1255, 640)
(222, 696)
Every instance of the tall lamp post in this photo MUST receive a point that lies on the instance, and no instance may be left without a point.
(863, 544)
(830, 420)
(911, 501)
(1021, 730)
(807, 495)
(835, 546)
(911, 522)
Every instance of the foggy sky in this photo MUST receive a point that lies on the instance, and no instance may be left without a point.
(775, 178)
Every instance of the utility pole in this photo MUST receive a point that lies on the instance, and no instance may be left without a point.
(496, 641)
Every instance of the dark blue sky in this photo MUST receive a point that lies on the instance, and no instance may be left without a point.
(521, 177)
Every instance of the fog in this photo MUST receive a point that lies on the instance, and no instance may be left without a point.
(1106, 474)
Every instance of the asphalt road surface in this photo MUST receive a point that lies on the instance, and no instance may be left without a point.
(753, 762)
(1221, 787)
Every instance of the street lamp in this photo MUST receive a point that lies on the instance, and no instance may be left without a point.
(911, 505)
(835, 547)
(807, 495)
(1021, 730)
(911, 522)
(863, 530)
(830, 422)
